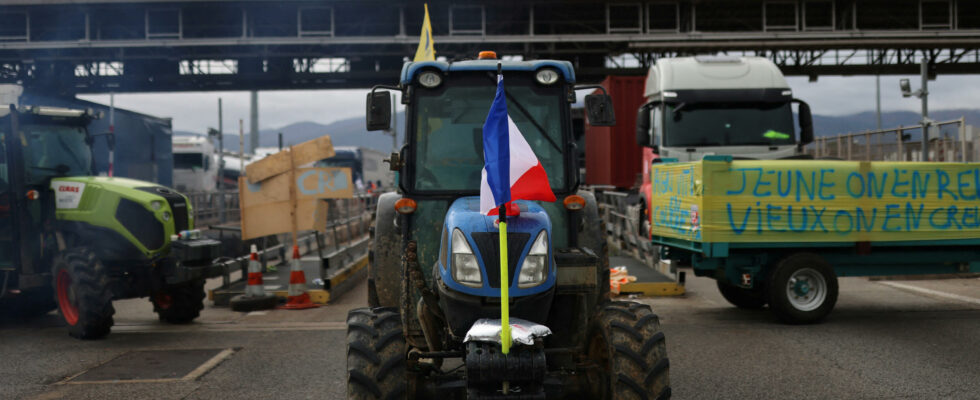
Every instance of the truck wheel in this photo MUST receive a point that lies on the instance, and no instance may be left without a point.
(627, 345)
(179, 304)
(750, 299)
(84, 297)
(803, 289)
(376, 353)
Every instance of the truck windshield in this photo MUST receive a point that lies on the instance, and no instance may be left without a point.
(54, 150)
(729, 124)
(448, 128)
(188, 160)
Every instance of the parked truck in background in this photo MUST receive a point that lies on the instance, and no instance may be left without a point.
(195, 164)
(367, 166)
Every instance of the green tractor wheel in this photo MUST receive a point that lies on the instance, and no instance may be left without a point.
(627, 346)
(81, 286)
(179, 304)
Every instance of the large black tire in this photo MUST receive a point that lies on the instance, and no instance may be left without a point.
(179, 304)
(750, 299)
(802, 289)
(84, 295)
(376, 354)
(627, 345)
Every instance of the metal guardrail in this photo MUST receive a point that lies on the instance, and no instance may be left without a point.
(955, 142)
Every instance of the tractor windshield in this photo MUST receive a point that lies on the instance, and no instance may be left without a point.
(54, 150)
(448, 128)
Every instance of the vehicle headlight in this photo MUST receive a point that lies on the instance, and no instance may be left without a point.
(534, 270)
(166, 216)
(430, 79)
(546, 76)
(156, 205)
(466, 268)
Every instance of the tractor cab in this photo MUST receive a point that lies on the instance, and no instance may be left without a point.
(436, 256)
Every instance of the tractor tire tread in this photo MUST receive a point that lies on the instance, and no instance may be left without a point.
(186, 304)
(376, 354)
(637, 350)
(93, 293)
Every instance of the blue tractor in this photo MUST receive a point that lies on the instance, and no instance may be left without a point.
(434, 281)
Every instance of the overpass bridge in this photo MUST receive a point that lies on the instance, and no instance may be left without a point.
(99, 46)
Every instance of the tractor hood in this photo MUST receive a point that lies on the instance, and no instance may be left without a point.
(464, 221)
(144, 213)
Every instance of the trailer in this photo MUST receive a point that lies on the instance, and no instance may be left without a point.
(780, 232)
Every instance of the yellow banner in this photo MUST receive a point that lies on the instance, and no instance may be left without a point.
(425, 51)
(815, 201)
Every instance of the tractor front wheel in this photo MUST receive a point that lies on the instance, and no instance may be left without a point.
(81, 285)
(627, 347)
(376, 354)
(179, 304)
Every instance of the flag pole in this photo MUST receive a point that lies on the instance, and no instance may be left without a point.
(505, 339)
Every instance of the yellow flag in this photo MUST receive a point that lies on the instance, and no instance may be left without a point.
(425, 52)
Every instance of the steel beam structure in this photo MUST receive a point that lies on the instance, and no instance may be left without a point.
(95, 46)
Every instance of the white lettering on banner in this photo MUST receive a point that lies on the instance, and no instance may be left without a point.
(67, 195)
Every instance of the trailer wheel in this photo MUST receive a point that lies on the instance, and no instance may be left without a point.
(627, 346)
(802, 289)
(179, 304)
(376, 354)
(750, 299)
(84, 297)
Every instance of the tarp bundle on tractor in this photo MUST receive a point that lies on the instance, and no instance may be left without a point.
(815, 201)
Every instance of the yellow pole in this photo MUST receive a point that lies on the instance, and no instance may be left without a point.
(504, 286)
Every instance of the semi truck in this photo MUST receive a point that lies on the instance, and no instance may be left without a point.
(367, 166)
(195, 164)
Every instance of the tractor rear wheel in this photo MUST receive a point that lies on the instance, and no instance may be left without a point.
(627, 346)
(81, 285)
(376, 354)
(750, 299)
(179, 304)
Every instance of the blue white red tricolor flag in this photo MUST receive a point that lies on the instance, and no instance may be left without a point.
(511, 171)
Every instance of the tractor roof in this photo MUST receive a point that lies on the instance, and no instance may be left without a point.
(411, 68)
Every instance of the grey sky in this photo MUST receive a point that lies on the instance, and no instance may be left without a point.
(830, 95)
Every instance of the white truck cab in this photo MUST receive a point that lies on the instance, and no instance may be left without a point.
(195, 164)
(721, 105)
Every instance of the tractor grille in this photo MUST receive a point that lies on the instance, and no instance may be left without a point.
(141, 223)
(177, 202)
(488, 243)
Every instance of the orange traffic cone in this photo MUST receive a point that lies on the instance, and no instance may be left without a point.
(255, 297)
(297, 298)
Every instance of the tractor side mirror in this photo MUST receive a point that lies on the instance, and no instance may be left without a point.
(643, 126)
(378, 111)
(599, 109)
(806, 123)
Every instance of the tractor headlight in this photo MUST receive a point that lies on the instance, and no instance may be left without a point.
(430, 79)
(534, 270)
(546, 76)
(166, 216)
(156, 205)
(466, 268)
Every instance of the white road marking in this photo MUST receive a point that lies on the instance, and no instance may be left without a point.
(249, 327)
(207, 366)
(271, 287)
(931, 292)
(196, 373)
(271, 278)
(257, 313)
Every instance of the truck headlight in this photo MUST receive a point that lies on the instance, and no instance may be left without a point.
(534, 270)
(466, 268)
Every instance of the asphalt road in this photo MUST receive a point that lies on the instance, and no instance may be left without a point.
(885, 340)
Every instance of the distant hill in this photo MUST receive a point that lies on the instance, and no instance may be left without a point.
(832, 125)
(351, 132)
(345, 132)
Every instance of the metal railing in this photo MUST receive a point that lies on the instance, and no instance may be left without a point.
(949, 141)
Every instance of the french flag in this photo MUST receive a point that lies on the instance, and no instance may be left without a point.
(511, 171)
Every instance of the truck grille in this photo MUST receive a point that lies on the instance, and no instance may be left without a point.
(488, 243)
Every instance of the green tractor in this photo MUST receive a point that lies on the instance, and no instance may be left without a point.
(434, 281)
(76, 242)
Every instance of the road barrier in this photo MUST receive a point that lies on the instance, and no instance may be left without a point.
(950, 141)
